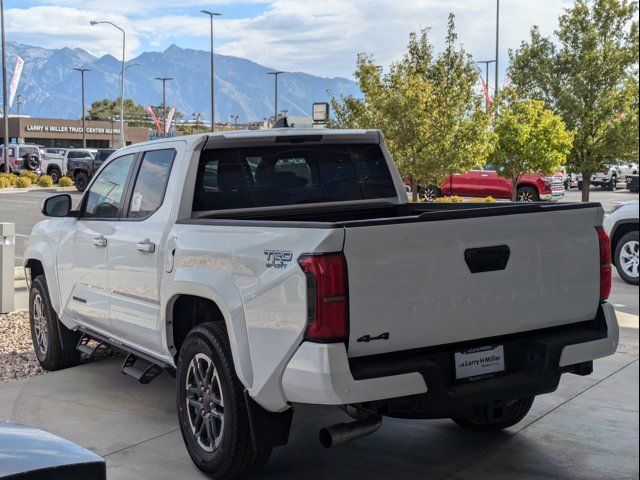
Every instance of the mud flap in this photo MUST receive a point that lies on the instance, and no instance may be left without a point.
(268, 429)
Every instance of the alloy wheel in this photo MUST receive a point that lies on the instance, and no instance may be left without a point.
(525, 196)
(629, 258)
(204, 402)
(40, 324)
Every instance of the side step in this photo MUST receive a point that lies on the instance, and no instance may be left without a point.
(144, 372)
(84, 347)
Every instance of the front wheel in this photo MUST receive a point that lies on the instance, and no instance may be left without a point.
(513, 413)
(81, 180)
(626, 257)
(46, 330)
(55, 175)
(211, 408)
(527, 194)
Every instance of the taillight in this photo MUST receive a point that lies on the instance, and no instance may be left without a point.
(327, 316)
(605, 263)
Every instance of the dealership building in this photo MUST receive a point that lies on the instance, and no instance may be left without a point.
(51, 132)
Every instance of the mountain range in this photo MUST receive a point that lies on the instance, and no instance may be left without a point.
(50, 88)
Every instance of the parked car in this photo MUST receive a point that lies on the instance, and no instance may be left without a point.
(632, 182)
(56, 150)
(22, 156)
(268, 269)
(622, 226)
(82, 168)
(28, 453)
(482, 183)
(612, 176)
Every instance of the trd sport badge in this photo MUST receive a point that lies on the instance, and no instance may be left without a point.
(278, 258)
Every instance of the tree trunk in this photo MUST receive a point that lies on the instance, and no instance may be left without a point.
(514, 189)
(586, 183)
(414, 190)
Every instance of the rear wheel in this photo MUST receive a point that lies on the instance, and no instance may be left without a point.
(211, 408)
(512, 413)
(432, 192)
(626, 257)
(81, 180)
(527, 194)
(46, 329)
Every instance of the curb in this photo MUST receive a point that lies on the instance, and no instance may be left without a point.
(13, 189)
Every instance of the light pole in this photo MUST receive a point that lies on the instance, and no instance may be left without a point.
(495, 88)
(84, 135)
(124, 41)
(197, 119)
(275, 100)
(18, 103)
(235, 121)
(164, 81)
(5, 152)
(213, 104)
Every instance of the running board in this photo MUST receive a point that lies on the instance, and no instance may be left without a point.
(144, 371)
(84, 347)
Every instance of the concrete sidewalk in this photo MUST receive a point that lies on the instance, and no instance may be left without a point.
(587, 429)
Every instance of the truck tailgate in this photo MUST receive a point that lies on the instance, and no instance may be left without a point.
(411, 284)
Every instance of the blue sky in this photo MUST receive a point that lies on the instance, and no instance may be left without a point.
(319, 37)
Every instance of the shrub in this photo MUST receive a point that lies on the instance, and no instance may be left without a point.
(23, 182)
(33, 176)
(488, 199)
(4, 182)
(45, 181)
(452, 199)
(65, 182)
(9, 176)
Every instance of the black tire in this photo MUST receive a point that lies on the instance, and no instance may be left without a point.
(230, 453)
(629, 242)
(527, 194)
(55, 174)
(46, 330)
(81, 180)
(31, 162)
(432, 192)
(611, 186)
(515, 412)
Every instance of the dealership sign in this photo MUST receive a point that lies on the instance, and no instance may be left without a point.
(71, 129)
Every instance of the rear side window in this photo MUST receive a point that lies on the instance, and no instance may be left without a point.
(151, 183)
(290, 175)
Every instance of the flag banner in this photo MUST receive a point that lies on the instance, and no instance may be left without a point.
(15, 80)
(155, 118)
(167, 126)
(487, 97)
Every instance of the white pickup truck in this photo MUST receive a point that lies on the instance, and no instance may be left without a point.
(265, 269)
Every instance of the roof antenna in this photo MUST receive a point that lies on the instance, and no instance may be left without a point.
(282, 122)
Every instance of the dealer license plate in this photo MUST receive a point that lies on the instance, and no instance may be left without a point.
(480, 362)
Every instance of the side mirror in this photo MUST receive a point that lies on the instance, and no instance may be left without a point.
(57, 206)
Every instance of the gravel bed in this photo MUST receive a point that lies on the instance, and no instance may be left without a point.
(17, 358)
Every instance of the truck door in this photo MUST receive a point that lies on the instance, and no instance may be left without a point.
(82, 255)
(493, 184)
(466, 184)
(135, 253)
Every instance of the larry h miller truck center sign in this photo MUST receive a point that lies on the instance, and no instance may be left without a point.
(71, 129)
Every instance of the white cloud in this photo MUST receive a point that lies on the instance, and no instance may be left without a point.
(319, 37)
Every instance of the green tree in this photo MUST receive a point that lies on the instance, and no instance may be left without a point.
(427, 108)
(589, 76)
(135, 115)
(530, 138)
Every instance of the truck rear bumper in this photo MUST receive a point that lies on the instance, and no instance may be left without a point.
(421, 383)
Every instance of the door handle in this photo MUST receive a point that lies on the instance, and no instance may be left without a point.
(100, 242)
(146, 246)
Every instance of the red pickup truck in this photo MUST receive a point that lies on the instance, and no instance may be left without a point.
(483, 183)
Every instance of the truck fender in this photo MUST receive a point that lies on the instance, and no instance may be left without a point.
(220, 289)
(42, 253)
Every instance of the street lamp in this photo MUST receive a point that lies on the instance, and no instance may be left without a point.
(164, 81)
(235, 121)
(486, 64)
(495, 91)
(84, 136)
(18, 103)
(124, 40)
(213, 112)
(5, 153)
(275, 77)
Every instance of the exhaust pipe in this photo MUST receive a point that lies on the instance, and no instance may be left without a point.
(343, 432)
